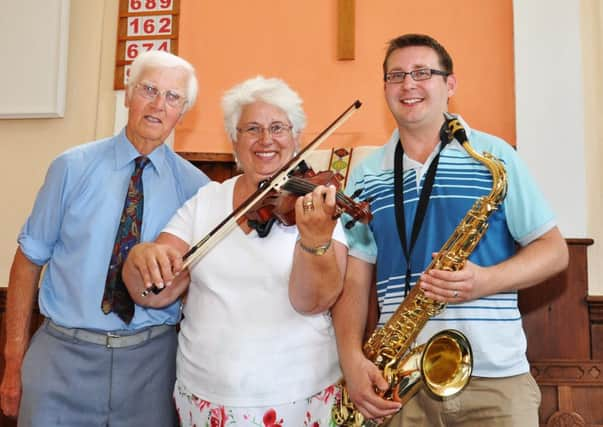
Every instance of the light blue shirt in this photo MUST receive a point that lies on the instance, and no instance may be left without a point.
(74, 221)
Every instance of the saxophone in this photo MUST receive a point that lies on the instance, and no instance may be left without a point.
(444, 364)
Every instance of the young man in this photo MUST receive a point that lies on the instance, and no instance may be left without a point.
(98, 359)
(481, 297)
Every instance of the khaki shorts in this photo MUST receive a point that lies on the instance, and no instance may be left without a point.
(491, 402)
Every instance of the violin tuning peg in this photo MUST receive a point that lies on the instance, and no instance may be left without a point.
(356, 193)
(338, 212)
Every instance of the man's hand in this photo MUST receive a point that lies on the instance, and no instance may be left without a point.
(156, 263)
(10, 391)
(361, 382)
(454, 286)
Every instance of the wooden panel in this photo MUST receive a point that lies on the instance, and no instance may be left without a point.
(595, 304)
(346, 29)
(144, 25)
(4, 421)
(35, 324)
(217, 166)
(555, 313)
(565, 405)
(548, 404)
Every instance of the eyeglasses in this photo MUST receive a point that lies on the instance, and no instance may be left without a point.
(255, 131)
(150, 92)
(417, 75)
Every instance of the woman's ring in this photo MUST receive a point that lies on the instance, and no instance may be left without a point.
(455, 294)
(308, 205)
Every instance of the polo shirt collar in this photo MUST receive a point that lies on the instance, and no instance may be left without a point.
(408, 163)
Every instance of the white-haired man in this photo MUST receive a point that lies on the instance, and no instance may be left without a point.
(98, 359)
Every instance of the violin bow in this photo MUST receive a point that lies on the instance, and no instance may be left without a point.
(200, 248)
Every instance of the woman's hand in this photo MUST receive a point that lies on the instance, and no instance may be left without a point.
(160, 264)
(315, 216)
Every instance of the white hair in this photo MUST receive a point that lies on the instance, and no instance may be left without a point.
(272, 91)
(161, 59)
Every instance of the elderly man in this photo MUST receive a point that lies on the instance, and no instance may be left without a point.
(98, 359)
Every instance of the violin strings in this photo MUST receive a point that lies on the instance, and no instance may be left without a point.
(301, 187)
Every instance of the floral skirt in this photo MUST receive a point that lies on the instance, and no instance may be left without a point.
(314, 411)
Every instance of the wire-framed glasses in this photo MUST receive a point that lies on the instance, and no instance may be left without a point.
(417, 75)
(150, 92)
(255, 131)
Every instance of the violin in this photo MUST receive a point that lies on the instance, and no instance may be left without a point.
(279, 205)
(280, 178)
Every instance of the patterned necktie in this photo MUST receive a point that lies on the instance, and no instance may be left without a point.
(116, 297)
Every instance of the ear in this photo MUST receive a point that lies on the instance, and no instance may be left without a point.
(451, 83)
(127, 98)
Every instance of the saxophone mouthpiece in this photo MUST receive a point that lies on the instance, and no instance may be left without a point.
(455, 128)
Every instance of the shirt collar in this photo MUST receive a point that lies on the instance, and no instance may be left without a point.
(125, 153)
(408, 163)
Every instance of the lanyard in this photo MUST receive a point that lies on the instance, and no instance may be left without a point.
(421, 208)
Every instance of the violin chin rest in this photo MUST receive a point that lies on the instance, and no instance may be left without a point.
(262, 228)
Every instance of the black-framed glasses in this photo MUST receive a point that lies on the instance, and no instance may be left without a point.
(150, 92)
(255, 131)
(417, 75)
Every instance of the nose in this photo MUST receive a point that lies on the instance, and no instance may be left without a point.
(265, 137)
(407, 82)
(159, 101)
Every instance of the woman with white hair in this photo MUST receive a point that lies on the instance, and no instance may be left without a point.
(256, 346)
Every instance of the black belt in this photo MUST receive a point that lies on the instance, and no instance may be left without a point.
(111, 339)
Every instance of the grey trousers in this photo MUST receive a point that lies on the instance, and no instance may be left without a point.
(68, 382)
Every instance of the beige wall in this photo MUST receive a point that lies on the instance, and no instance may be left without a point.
(28, 146)
(592, 56)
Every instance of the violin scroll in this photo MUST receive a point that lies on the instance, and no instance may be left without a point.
(280, 205)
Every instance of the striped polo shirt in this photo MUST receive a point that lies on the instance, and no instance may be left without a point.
(493, 323)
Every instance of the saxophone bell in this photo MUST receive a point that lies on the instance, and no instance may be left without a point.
(443, 365)
(447, 363)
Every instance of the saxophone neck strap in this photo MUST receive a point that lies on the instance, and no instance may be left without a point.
(422, 206)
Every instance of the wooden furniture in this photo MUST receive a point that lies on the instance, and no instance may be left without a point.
(564, 327)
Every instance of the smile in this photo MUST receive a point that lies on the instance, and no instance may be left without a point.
(411, 101)
(266, 154)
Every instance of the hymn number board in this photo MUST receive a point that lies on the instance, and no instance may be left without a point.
(144, 25)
